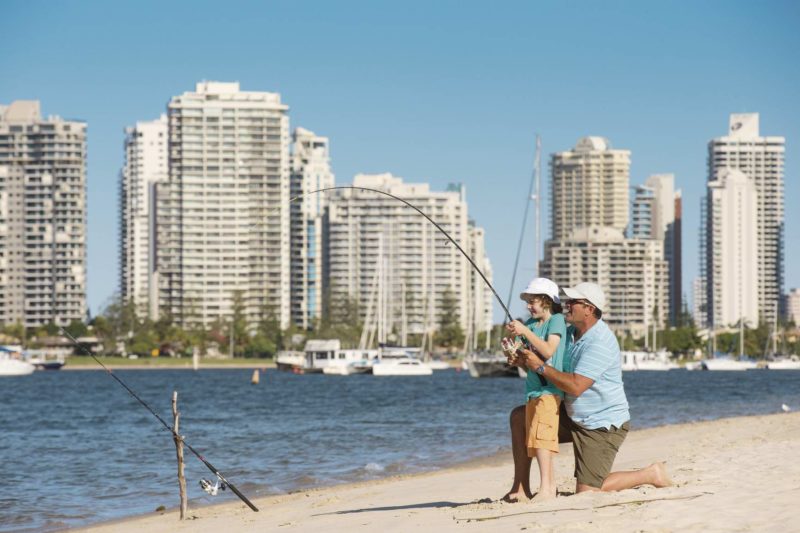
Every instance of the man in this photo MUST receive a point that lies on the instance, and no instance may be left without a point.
(598, 417)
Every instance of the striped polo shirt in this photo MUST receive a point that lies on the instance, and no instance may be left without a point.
(596, 356)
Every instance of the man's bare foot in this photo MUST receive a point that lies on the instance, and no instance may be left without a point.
(544, 496)
(514, 497)
(660, 477)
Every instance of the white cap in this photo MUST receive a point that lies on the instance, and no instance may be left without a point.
(542, 286)
(587, 291)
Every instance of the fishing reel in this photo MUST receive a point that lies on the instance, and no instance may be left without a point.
(210, 489)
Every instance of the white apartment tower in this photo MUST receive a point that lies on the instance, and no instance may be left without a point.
(311, 171)
(42, 217)
(395, 263)
(656, 214)
(223, 220)
(480, 295)
(589, 187)
(145, 167)
(632, 273)
(761, 159)
(793, 306)
(732, 264)
(589, 215)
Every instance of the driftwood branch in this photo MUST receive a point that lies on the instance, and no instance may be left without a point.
(179, 449)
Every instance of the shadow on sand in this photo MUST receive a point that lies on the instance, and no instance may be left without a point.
(427, 505)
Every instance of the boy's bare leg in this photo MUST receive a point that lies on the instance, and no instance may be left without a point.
(547, 486)
(655, 474)
(521, 488)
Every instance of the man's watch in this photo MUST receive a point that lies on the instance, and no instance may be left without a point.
(540, 370)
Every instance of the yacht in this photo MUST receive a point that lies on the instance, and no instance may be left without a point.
(647, 361)
(438, 364)
(725, 363)
(290, 361)
(785, 363)
(14, 366)
(400, 361)
(401, 366)
(45, 360)
(326, 356)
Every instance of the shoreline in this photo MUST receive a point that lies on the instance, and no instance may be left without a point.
(465, 494)
(187, 366)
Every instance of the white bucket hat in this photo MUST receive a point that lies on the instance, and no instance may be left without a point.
(587, 291)
(542, 286)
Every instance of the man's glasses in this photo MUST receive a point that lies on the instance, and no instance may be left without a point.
(570, 303)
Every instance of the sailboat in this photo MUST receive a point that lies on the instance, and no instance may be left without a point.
(777, 361)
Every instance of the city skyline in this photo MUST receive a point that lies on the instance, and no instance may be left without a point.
(436, 110)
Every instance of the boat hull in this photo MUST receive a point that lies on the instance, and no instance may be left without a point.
(13, 367)
(492, 369)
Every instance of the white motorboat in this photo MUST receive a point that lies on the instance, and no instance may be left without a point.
(438, 364)
(45, 359)
(401, 366)
(326, 356)
(694, 365)
(11, 366)
(785, 363)
(647, 361)
(721, 363)
(290, 361)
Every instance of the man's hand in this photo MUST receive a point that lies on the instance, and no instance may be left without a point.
(529, 358)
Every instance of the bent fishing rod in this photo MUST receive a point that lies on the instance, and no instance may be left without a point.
(220, 477)
(418, 210)
(542, 379)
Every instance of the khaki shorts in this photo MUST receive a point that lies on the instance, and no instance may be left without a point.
(541, 423)
(595, 449)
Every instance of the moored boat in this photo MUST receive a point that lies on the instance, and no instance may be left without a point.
(401, 366)
(10, 366)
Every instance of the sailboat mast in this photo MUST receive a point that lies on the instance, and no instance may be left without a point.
(536, 204)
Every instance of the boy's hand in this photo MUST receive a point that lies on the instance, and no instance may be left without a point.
(516, 327)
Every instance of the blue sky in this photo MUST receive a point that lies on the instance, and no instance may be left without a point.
(446, 91)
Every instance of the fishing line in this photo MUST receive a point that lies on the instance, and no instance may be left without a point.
(418, 210)
(216, 472)
(542, 380)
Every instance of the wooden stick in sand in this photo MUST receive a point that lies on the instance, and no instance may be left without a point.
(179, 448)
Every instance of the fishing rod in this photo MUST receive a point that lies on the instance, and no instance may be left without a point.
(220, 477)
(542, 379)
(418, 210)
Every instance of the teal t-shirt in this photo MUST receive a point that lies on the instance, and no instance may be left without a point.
(555, 325)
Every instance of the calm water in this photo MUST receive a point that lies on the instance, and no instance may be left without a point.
(78, 449)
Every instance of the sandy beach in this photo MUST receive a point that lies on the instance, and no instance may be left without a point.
(737, 474)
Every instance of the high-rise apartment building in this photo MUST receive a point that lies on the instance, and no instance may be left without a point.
(699, 302)
(589, 215)
(589, 187)
(793, 306)
(311, 171)
(656, 214)
(732, 262)
(480, 297)
(145, 167)
(761, 159)
(395, 263)
(632, 273)
(42, 217)
(223, 213)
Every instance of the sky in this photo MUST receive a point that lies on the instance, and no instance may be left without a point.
(437, 92)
